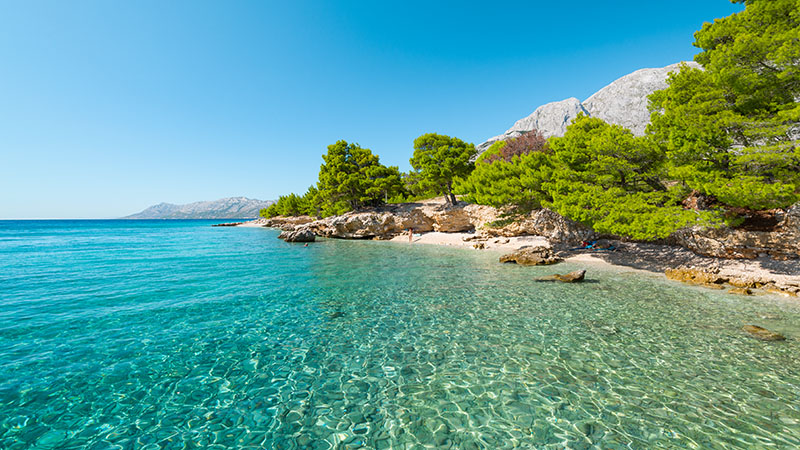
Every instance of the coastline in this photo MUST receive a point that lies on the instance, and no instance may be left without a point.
(466, 226)
(647, 258)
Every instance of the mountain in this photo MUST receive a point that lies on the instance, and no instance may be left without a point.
(226, 208)
(623, 102)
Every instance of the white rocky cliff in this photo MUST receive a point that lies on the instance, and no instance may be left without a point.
(623, 102)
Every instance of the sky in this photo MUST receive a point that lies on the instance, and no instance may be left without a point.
(108, 107)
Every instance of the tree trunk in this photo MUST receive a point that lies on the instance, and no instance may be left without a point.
(449, 197)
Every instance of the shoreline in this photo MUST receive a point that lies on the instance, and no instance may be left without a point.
(763, 274)
(646, 258)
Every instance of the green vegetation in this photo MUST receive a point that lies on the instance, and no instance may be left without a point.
(727, 133)
(609, 179)
(515, 182)
(351, 177)
(597, 174)
(728, 129)
(438, 160)
(294, 205)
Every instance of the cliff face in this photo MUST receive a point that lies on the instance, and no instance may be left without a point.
(226, 208)
(623, 102)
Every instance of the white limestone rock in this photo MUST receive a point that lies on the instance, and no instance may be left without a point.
(550, 119)
(623, 102)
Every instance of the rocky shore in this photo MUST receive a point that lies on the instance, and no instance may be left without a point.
(741, 259)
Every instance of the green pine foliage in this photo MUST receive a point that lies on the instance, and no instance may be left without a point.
(352, 177)
(637, 215)
(610, 180)
(597, 174)
(499, 182)
(730, 130)
(293, 205)
(439, 160)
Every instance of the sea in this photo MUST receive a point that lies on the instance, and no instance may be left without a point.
(149, 334)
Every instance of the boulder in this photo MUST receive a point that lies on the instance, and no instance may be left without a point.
(303, 235)
(572, 277)
(762, 333)
(531, 256)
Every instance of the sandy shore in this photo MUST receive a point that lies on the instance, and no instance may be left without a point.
(652, 258)
(250, 224)
(459, 240)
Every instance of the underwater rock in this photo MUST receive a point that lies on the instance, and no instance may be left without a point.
(741, 291)
(572, 277)
(773, 289)
(763, 333)
(531, 256)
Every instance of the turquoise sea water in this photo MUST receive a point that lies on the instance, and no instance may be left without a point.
(173, 334)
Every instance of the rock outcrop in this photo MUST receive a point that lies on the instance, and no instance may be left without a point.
(298, 236)
(550, 119)
(694, 276)
(623, 102)
(392, 220)
(544, 222)
(531, 256)
(742, 284)
(389, 221)
(284, 223)
(725, 242)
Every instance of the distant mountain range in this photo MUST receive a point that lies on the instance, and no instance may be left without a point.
(226, 208)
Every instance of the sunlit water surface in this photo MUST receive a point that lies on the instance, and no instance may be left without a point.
(173, 334)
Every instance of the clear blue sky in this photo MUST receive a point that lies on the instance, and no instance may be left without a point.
(107, 107)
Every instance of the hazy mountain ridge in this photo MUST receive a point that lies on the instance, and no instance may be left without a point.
(225, 208)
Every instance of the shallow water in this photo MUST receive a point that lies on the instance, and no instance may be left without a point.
(154, 334)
